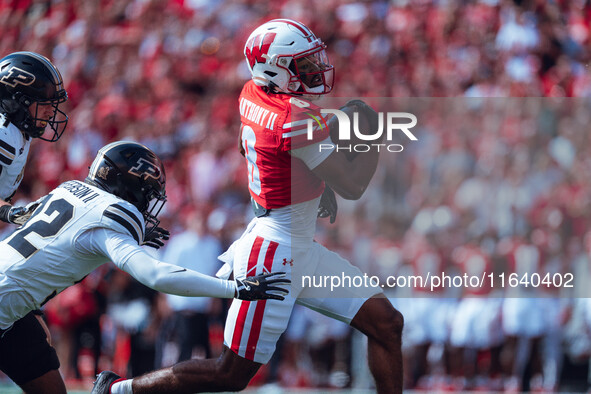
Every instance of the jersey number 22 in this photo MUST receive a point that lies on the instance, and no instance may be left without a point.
(55, 216)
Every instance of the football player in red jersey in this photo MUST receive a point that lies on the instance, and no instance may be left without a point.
(287, 174)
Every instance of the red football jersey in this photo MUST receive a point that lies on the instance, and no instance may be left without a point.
(272, 125)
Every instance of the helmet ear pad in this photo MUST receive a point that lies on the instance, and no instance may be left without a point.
(17, 110)
(117, 184)
(140, 198)
(10, 106)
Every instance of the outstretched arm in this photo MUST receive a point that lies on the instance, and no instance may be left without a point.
(173, 279)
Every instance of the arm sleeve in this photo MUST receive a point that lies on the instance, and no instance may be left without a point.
(311, 155)
(125, 253)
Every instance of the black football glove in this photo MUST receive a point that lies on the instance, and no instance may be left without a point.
(369, 112)
(156, 238)
(19, 215)
(259, 287)
(328, 205)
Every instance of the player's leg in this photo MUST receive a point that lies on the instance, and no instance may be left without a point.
(49, 383)
(230, 372)
(251, 332)
(364, 308)
(28, 359)
(382, 324)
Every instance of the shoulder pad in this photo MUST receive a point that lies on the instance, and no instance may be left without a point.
(125, 218)
(300, 103)
(295, 130)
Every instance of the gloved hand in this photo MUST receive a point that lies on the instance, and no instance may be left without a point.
(370, 114)
(328, 205)
(259, 287)
(20, 215)
(155, 239)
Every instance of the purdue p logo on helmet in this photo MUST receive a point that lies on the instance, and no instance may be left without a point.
(145, 169)
(133, 173)
(17, 76)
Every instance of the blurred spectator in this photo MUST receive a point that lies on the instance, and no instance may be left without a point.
(185, 332)
(134, 320)
(73, 318)
(315, 351)
(168, 74)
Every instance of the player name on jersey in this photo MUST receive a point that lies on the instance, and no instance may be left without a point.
(80, 190)
(257, 114)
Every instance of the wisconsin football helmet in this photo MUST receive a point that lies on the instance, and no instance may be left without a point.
(134, 173)
(285, 56)
(28, 78)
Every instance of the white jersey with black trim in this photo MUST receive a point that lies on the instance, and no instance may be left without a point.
(43, 257)
(77, 228)
(14, 149)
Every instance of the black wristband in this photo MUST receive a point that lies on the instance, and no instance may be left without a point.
(4, 210)
(38, 312)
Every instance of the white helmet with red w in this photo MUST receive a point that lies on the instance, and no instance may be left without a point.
(285, 56)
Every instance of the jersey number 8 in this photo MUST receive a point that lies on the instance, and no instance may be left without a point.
(248, 140)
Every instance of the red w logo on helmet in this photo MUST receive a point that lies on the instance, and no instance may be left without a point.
(258, 46)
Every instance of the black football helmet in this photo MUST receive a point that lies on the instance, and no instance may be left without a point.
(28, 78)
(134, 173)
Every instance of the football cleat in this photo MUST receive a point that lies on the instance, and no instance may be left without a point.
(104, 381)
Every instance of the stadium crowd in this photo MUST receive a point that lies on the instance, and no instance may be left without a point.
(500, 179)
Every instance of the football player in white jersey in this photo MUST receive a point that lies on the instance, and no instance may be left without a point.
(31, 92)
(75, 229)
(287, 174)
